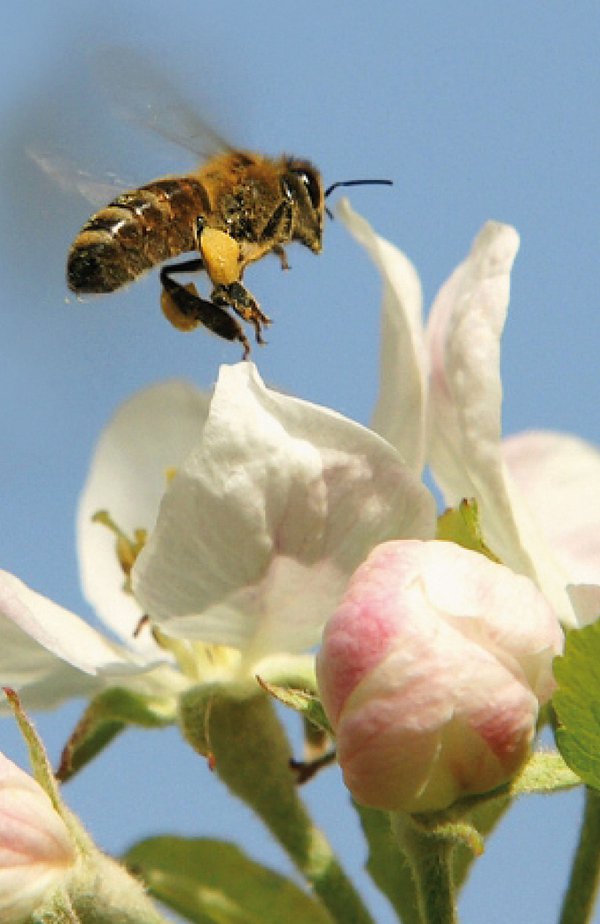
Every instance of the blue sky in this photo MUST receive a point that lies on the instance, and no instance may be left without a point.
(476, 112)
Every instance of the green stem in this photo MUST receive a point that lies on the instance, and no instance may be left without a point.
(430, 858)
(578, 903)
(252, 756)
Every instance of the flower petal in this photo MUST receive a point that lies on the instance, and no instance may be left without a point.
(431, 673)
(559, 478)
(48, 653)
(268, 517)
(36, 850)
(399, 415)
(586, 602)
(464, 332)
(149, 435)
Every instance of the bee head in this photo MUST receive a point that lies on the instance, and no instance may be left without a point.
(302, 184)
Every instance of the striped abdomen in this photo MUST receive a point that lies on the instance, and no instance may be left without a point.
(134, 232)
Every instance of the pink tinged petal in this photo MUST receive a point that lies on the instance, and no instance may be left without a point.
(431, 673)
(465, 423)
(559, 478)
(36, 851)
(456, 746)
(149, 436)
(268, 517)
(399, 415)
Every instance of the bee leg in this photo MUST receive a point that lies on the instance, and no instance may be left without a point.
(185, 309)
(280, 252)
(236, 296)
(279, 225)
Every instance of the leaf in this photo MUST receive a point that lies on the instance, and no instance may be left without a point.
(462, 525)
(577, 703)
(213, 882)
(387, 864)
(544, 773)
(305, 703)
(105, 717)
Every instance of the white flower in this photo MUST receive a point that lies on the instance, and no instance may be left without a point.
(267, 518)
(49, 653)
(538, 493)
(273, 505)
(36, 849)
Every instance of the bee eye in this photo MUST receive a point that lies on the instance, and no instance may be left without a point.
(310, 181)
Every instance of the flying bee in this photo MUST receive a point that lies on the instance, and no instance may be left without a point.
(233, 210)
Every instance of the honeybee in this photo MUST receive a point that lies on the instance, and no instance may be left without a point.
(233, 210)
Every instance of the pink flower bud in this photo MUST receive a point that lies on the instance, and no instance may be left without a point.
(432, 671)
(36, 850)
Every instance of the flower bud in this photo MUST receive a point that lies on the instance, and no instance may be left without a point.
(432, 671)
(36, 850)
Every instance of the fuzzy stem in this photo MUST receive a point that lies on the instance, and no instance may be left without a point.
(430, 857)
(252, 756)
(578, 903)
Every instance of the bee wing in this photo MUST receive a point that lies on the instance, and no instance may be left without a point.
(70, 179)
(143, 94)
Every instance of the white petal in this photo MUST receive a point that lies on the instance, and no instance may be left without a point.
(465, 421)
(49, 653)
(586, 602)
(150, 434)
(399, 415)
(464, 332)
(268, 517)
(43, 680)
(559, 478)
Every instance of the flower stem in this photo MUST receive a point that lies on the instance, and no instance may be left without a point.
(429, 855)
(251, 755)
(578, 903)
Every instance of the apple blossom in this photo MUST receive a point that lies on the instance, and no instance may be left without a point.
(431, 672)
(273, 504)
(48, 652)
(537, 493)
(267, 518)
(37, 852)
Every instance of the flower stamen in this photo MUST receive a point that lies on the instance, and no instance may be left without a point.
(126, 548)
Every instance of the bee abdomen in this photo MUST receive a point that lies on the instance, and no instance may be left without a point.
(138, 230)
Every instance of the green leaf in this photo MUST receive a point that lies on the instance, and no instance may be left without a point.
(387, 864)
(105, 717)
(308, 705)
(462, 525)
(212, 882)
(544, 773)
(577, 703)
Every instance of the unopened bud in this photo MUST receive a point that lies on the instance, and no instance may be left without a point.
(432, 672)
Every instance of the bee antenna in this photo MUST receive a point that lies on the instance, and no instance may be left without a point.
(333, 186)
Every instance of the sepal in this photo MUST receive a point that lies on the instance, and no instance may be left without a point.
(462, 525)
(307, 704)
(105, 717)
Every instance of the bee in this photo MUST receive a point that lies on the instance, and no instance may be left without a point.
(233, 210)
